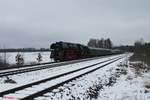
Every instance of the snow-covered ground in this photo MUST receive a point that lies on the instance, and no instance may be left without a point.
(117, 81)
(29, 77)
(131, 86)
(121, 80)
(86, 87)
(29, 57)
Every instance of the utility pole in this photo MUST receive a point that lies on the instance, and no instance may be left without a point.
(4, 55)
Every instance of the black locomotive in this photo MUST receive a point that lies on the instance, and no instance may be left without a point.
(63, 51)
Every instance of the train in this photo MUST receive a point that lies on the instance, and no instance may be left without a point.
(64, 51)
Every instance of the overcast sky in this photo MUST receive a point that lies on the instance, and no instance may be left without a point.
(37, 23)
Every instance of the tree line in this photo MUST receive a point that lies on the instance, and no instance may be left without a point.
(24, 50)
(142, 48)
(100, 43)
(141, 51)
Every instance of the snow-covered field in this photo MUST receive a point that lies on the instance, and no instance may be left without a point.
(117, 81)
(29, 77)
(86, 87)
(130, 86)
(29, 57)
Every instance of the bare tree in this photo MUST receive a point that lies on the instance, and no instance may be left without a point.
(19, 59)
(1, 61)
(102, 43)
(139, 43)
(108, 44)
(92, 43)
(39, 58)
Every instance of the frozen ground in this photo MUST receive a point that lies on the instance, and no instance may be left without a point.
(29, 77)
(122, 80)
(29, 57)
(118, 81)
(86, 87)
(131, 86)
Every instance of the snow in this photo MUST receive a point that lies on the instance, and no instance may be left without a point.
(117, 81)
(126, 85)
(129, 87)
(26, 78)
(29, 57)
(82, 88)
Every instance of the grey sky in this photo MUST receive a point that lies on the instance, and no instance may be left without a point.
(37, 23)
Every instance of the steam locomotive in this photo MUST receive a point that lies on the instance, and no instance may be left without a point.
(64, 51)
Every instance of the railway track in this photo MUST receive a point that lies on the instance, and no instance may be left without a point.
(23, 66)
(39, 67)
(35, 89)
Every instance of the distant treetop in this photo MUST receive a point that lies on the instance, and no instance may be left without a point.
(100, 43)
